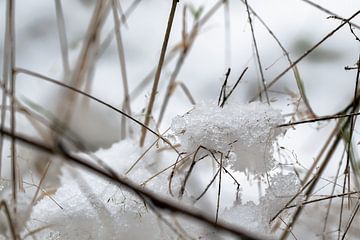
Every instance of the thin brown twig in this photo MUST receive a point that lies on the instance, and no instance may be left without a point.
(121, 55)
(350, 28)
(356, 210)
(319, 119)
(224, 168)
(332, 192)
(11, 22)
(122, 14)
(327, 36)
(186, 44)
(219, 189)
(227, 33)
(144, 153)
(192, 165)
(286, 53)
(6, 71)
(62, 37)
(172, 174)
(223, 88)
(323, 198)
(135, 93)
(42, 178)
(32, 232)
(185, 47)
(158, 71)
(181, 161)
(226, 96)
(187, 92)
(349, 147)
(208, 186)
(10, 220)
(292, 234)
(46, 193)
(184, 25)
(25, 71)
(123, 18)
(257, 53)
(167, 223)
(328, 11)
(86, 55)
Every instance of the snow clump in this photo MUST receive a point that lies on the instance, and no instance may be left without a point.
(256, 217)
(248, 131)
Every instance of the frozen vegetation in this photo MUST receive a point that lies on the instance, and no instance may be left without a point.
(88, 207)
(154, 119)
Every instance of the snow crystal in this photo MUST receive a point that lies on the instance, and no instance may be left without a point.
(246, 130)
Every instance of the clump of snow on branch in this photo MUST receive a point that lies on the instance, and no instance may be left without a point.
(256, 217)
(248, 130)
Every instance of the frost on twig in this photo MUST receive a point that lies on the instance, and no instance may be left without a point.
(248, 131)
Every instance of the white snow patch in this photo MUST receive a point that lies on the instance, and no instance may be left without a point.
(256, 217)
(248, 130)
